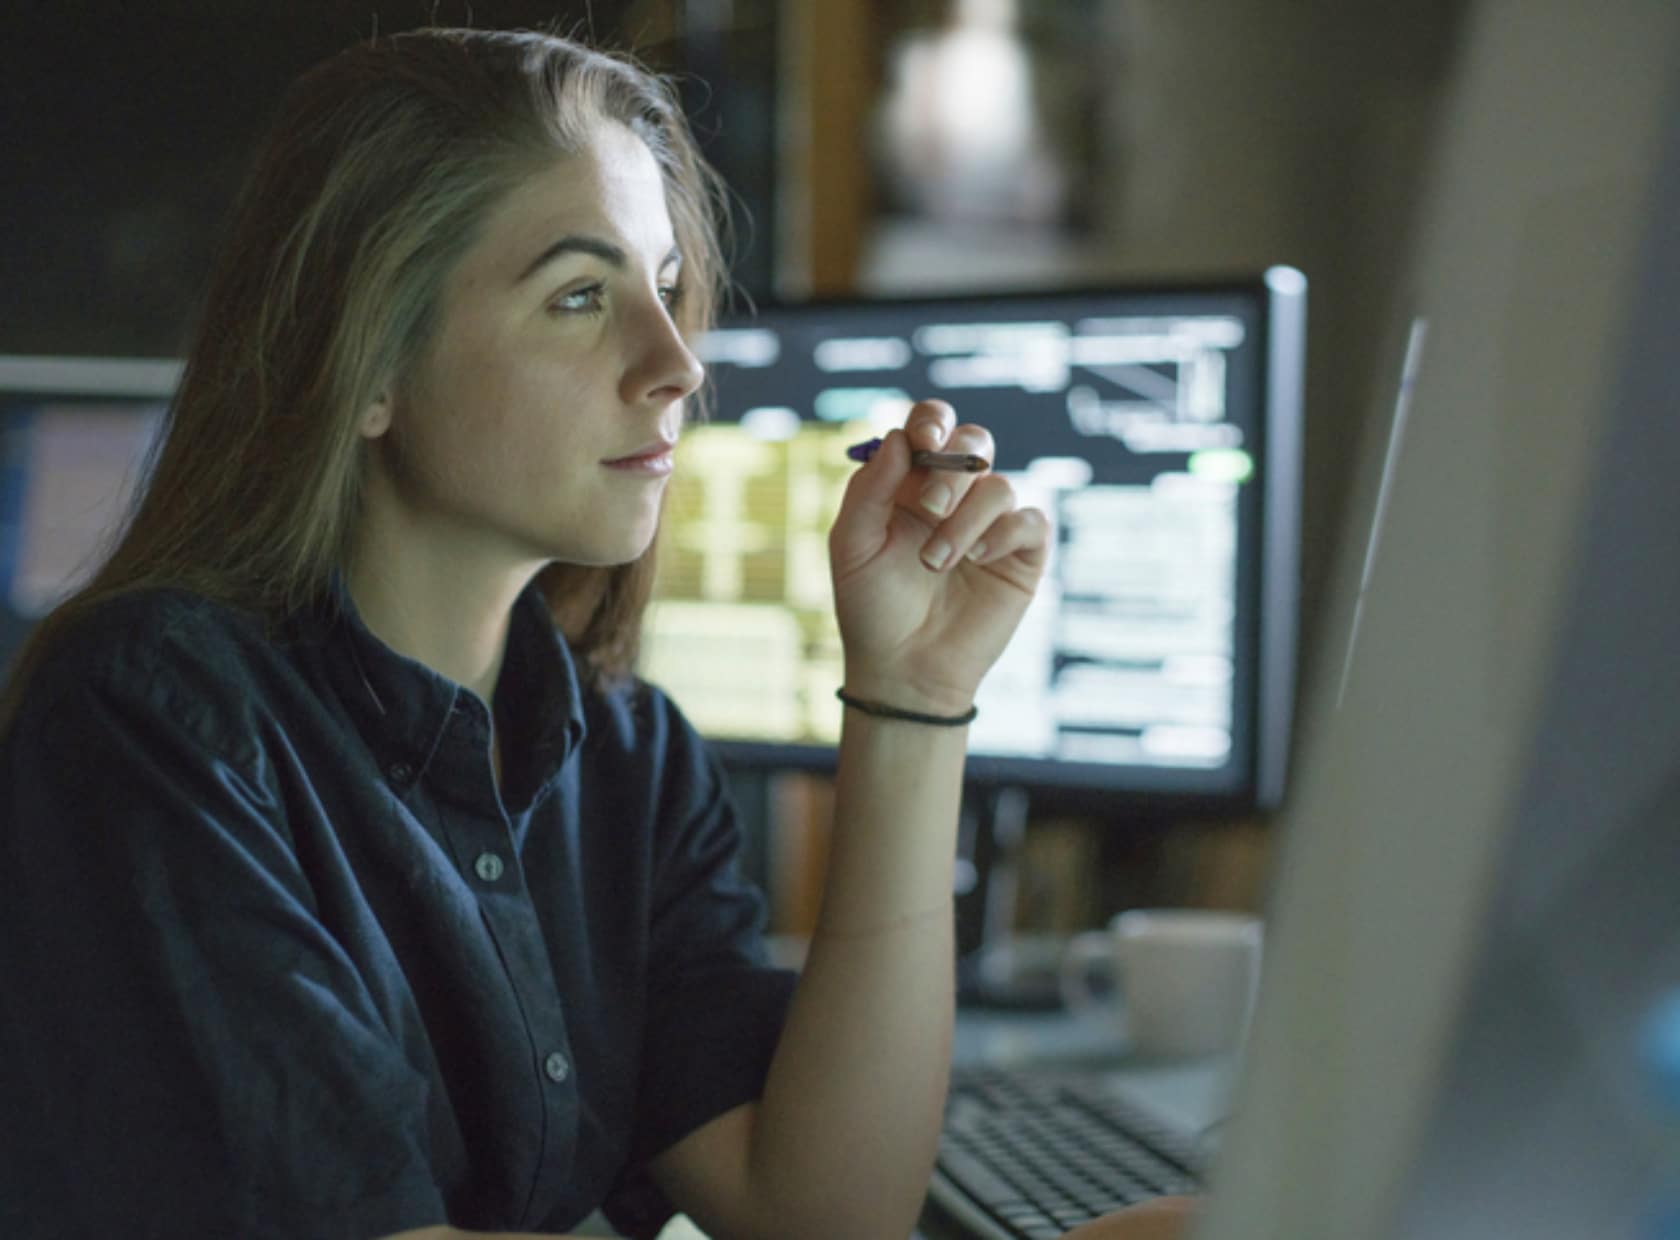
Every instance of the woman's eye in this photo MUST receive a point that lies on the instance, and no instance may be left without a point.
(580, 301)
(592, 299)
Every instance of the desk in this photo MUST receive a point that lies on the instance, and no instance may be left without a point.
(1194, 1094)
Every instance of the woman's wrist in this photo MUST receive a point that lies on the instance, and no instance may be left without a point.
(907, 694)
(885, 710)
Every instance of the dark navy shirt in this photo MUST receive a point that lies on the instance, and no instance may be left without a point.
(278, 957)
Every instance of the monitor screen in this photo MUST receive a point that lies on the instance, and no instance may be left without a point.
(1159, 430)
(74, 435)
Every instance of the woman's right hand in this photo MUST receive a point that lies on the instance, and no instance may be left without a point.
(1163, 1218)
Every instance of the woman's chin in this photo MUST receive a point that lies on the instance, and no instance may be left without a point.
(612, 553)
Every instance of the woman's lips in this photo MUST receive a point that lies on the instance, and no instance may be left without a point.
(655, 459)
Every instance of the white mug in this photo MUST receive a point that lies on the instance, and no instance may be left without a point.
(1187, 978)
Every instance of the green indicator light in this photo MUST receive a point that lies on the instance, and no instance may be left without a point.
(1222, 465)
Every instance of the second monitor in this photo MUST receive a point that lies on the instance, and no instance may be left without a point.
(1158, 428)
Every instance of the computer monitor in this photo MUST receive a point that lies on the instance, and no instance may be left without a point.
(74, 436)
(1158, 428)
(1475, 909)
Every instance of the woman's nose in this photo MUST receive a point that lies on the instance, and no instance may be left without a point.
(665, 368)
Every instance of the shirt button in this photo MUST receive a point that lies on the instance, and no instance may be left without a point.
(488, 866)
(556, 1067)
(400, 772)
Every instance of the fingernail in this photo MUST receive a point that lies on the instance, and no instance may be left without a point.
(936, 553)
(977, 552)
(936, 498)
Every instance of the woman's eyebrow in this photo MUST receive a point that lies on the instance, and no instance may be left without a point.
(606, 251)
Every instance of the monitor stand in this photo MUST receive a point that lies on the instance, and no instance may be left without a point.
(991, 830)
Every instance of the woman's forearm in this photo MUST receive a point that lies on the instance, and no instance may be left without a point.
(849, 1122)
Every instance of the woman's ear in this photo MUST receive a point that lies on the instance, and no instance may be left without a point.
(376, 418)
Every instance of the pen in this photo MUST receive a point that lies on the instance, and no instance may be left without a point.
(957, 462)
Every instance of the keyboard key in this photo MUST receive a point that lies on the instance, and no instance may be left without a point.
(979, 1179)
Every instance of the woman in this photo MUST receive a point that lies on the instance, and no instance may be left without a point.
(343, 895)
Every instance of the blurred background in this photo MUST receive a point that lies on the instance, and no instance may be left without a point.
(872, 148)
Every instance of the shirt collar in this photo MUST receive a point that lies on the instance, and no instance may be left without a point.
(403, 707)
(540, 695)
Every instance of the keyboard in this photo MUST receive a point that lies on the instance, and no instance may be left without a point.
(1027, 1153)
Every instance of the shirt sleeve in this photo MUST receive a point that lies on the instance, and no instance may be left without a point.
(716, 1007)
(184, 1048)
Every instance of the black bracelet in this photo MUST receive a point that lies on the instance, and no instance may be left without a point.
(882, 711)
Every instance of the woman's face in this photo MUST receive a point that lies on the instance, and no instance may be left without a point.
(539, 423)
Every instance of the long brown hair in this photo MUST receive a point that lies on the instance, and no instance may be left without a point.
(373, 181)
